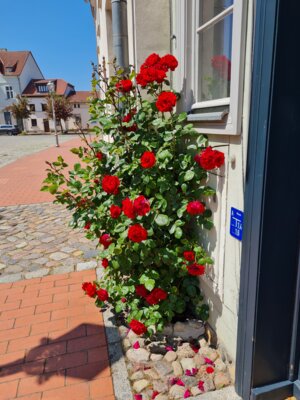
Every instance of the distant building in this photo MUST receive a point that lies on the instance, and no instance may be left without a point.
(37, 94)
(17, 69)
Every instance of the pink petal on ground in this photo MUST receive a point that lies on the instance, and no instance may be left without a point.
(138, 397)
(208, 361)
(154, 394)
(201, 386)
(169, 348)
(179, 382)
(173, 381)
(187, 394)
(136, 345)
(195, 348)
(188, 372)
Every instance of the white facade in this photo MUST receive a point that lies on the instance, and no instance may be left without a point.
(148, 32)
(18, 84)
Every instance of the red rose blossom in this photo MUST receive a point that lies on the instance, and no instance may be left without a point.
(138, 327)
(124, 85)
(219, 158)
(152, 59)
(189, 255)
(156, 295)
(105, 240)
(89, 288)
(169, 61)
(128, 208)
(166, 101)
(123, 300)
(196, 269)
(102, 294)
(209, 159)
(195, 207)
(141, 205)
(110, 184)
(210, 370)
(105, 263)
(141, 291)
(127, 118)
(137, 233)
(99, 155)
(115, 211)
(148, 159)
(87, 225)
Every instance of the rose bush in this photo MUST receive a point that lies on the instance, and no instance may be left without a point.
(143, 195)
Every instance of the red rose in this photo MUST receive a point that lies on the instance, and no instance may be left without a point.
(148, 159)
(89, 288)
(87, 225)
(195, 207)
(105, 240)
(102, 294)
(115, 211)
(128, 208)
(196, 269)
(152, 60)
(110, 184)
(222, 65)
(156, 295)
(142, 79)
(166, 101)
(210, 159)
(137, 327)
(169, 61)
(124, 85)
(105, 263)
(210, 370)
(141, 291)
(123, 300)
(189, 255)
(137, 233)
(127, 118)
(219, 158)
(141, 205)
(99, 155)
(132, 128)
(96, 181)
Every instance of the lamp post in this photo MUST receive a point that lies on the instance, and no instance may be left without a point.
(51, 90)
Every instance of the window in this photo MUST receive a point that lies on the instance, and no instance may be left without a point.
(42, 88)
(32, 107)
(33, 123)
(76, 105)
(9, 92)
(44, 107)
(210, 47)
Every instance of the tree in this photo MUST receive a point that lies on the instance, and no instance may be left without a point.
(20, 109)
(62, 107)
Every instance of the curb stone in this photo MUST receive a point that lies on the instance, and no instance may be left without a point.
(227, 393)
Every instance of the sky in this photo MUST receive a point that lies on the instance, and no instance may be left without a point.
(59, 33)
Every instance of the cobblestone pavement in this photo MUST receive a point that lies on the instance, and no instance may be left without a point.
(15, 147)
(35, 241)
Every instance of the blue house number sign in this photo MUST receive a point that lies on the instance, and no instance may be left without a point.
(236, 223)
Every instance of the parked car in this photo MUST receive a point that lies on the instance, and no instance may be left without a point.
(9, 130)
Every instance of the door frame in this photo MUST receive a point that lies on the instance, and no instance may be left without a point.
(269, 36)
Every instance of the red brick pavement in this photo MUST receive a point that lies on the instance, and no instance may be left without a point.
(20, 181)
(52, 341)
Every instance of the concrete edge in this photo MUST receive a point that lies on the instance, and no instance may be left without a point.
(227, 393)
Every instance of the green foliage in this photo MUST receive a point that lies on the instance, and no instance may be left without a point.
(169, 185)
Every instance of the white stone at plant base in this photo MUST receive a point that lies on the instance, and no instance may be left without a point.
(138, 386)
(195, 391)
(151, 374)
(138, 355)
(161, 397)
(170, 356)
(177, 369)
(208, 352)
(203, 342)
(189, 329)
(126, 344)
(160, 386)
(199, 360)
(187, 363)
(221, 379)
(132, 337)
(176, 392)
(156, 357)
(138, 375)
(220, 366)
(163, 368)
(185, 351)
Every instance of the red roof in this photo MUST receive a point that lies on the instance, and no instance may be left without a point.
(80, 97)
(31, 89)
(13, 62)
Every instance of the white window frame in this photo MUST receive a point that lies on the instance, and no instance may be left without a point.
(9, 92)
(186, 25)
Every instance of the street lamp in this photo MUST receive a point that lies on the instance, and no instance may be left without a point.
(51, 90)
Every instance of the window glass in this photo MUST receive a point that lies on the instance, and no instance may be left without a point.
(210, 8)
(214, 65)
(33, 122)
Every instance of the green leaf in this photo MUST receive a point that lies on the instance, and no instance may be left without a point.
(162, 220)
(189, 175)
(75, 150)
(53, 188)
(178, 233)
(150, 284)
(182, 117)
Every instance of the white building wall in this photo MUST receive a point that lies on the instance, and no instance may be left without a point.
(30, 71)
(12, 81)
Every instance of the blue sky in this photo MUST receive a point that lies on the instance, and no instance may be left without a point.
(59, 33)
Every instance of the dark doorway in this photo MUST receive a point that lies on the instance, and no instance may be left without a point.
(46, 125)
(7, 117)
(269, 336)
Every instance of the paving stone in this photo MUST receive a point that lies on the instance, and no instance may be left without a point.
(21, 245)
(86, 265)
(41, 260)
(90, 254)
(10, 278)
(2, 266)
(77, 253)
(37, 274)
(62, 269)
(13, 269)
(58, 256)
